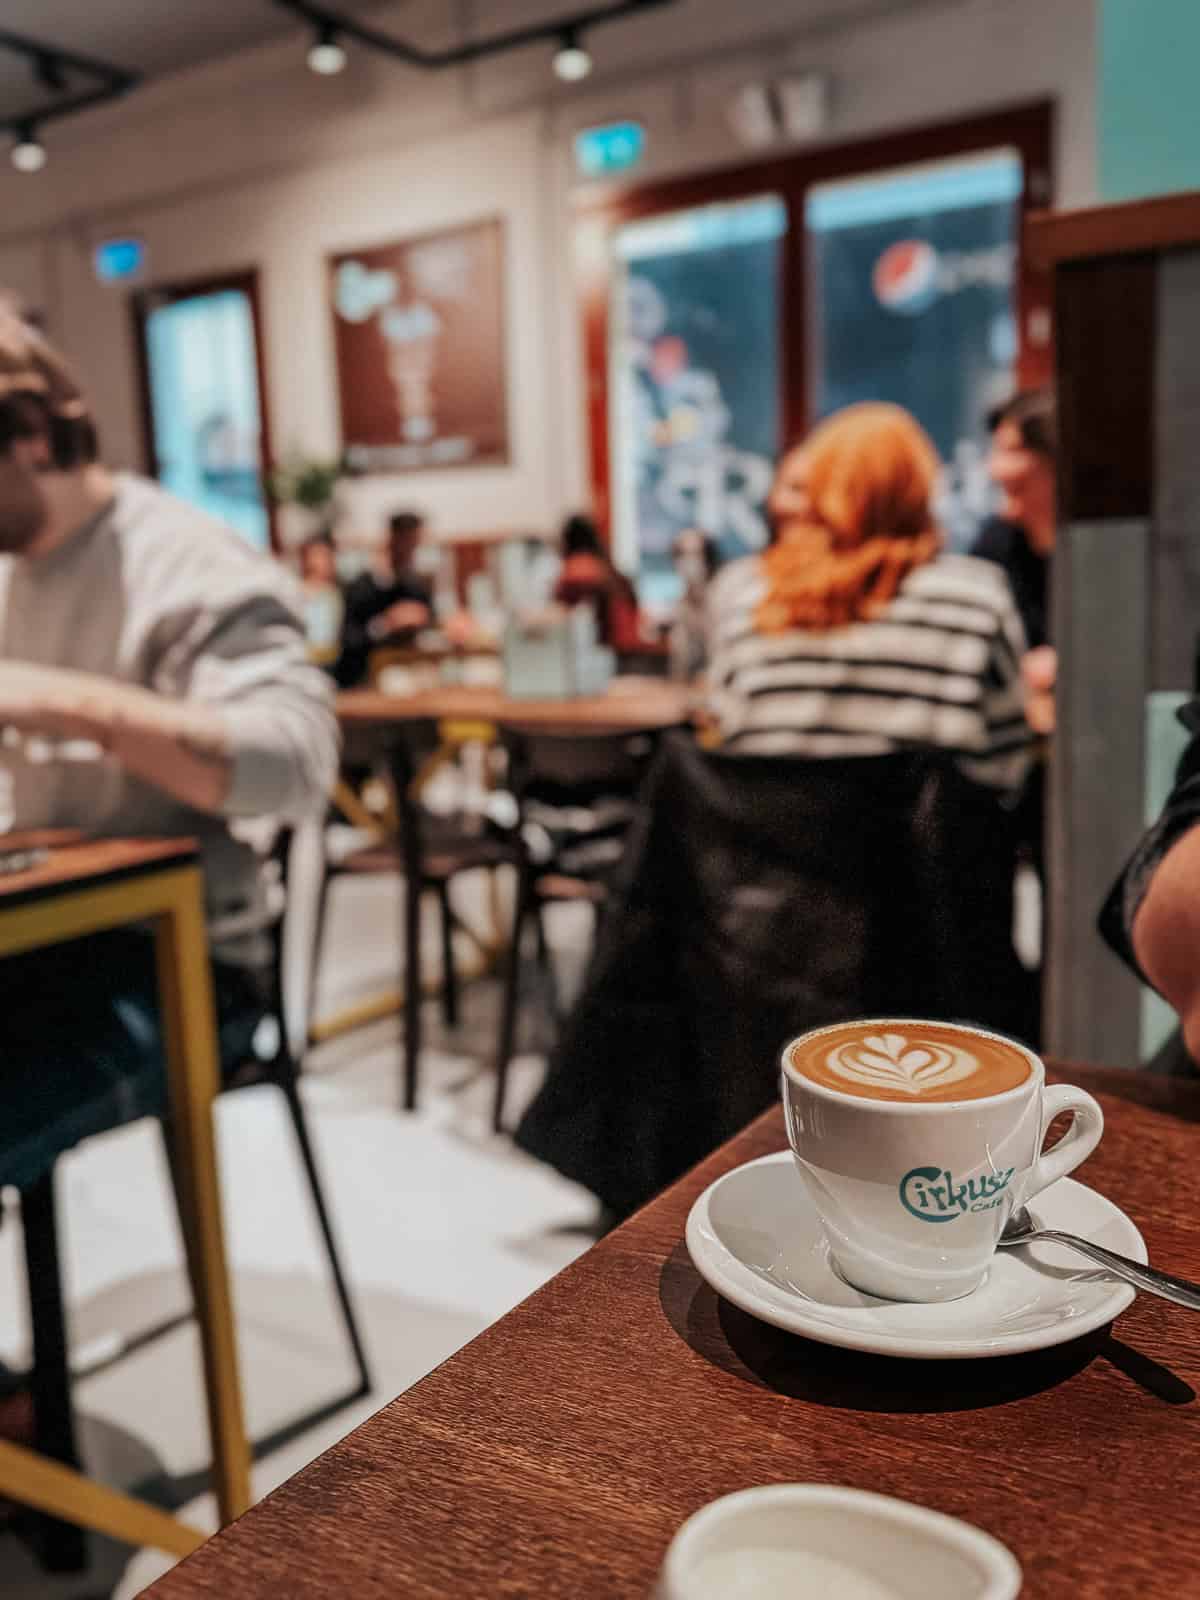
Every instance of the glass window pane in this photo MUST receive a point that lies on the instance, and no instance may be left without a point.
(204, 403)
(913, 286)
(695, 393)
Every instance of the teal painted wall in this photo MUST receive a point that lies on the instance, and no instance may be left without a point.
(1149, 99)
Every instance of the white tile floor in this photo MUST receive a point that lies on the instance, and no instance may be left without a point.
(444, 1228)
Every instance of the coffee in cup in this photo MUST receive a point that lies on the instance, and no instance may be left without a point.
(927, 1064)
(916, 1141)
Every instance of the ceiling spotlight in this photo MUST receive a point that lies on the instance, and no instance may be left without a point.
(28, 154)
(571, 60)
(326, 55)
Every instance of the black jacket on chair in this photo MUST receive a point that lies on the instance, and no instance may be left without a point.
(763, 896)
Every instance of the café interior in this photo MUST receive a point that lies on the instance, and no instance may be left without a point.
(548, 549)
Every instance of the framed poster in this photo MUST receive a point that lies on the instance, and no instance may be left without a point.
(419, 337)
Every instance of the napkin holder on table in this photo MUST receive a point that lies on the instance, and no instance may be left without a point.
(554, 655)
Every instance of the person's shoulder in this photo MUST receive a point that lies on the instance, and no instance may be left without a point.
(147, 516)
(996, 541)
(185, 555)
(736, 581)
(363, 585)
(962, 580)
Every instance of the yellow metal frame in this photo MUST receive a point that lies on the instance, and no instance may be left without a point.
(172, 900)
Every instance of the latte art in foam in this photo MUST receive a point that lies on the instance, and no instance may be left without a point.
(910, 1062)
(892, 1061)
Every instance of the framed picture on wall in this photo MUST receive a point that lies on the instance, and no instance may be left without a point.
(420, 342)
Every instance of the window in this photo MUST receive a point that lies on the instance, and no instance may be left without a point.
(695, 403)
(203, 394)
(913, 280)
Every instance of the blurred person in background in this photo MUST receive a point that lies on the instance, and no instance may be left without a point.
(1020, 537)
(154, 680)
(589, 577)
(318, 564)
(389, 606)
(695, 558)
(323, 601)
(854, 633)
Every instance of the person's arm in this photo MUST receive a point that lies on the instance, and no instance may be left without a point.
(1007, 744)
(243, 727)
(1166, 934)
(362, 603)
(1152, 913)
(178, 747)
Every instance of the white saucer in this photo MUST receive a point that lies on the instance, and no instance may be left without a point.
(754, 1236)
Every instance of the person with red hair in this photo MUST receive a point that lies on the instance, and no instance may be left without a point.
(854, 633)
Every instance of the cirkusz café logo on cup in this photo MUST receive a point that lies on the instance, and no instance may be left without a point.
(931, 1195)
(910, 275)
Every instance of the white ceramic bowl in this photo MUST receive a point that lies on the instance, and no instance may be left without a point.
(814, 1538)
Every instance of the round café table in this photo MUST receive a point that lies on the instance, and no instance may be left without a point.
(628, 705)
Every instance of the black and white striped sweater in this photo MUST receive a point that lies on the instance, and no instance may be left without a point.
(940, 668)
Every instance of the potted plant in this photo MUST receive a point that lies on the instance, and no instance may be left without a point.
(310, 483)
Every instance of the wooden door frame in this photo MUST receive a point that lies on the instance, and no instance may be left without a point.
(150, 298)
(1028, 128)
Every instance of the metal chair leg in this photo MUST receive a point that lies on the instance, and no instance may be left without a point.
(546, 962)
(62, 1547)
(286, 1079)
(412, 987)
(450, 1012)
(314, 959)
(512, 987)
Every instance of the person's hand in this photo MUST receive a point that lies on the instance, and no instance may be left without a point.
(404, 616)
(1039, 673)
(461, 628)
(55, 703)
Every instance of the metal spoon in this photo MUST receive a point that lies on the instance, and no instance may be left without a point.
(1022, 1229)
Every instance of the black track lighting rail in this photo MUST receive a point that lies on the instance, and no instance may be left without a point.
(50, 65)
(551, 31)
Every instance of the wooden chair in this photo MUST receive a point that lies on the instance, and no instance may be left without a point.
(576, 801)
(761, 896)
(429, 851)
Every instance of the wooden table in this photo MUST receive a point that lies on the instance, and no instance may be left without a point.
(629, 705)
(556, 1455)
(90, 887)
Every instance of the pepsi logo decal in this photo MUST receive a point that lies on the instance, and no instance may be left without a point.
(905, 277)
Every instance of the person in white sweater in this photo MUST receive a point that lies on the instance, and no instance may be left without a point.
(153, 680)
(154, 676)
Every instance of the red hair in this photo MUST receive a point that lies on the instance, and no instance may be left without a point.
(870, 473)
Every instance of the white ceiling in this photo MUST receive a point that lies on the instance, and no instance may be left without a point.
(158, 37)
(152, 37)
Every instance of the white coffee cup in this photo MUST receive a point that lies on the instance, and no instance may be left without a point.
(913, 1196)
(791, 1539)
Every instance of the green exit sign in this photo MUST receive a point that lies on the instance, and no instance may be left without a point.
(615, 147)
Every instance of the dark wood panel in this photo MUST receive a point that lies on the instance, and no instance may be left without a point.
(557, 1454)
(1162, 223)
(1105, 328)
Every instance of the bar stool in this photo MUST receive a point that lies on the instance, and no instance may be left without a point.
(98, 1099)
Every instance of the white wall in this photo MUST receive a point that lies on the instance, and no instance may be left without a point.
(254, 162)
